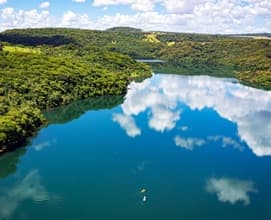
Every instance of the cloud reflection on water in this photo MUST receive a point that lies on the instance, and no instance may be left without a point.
(189, 143)
(29, 188)
(128, 124)
(249, 108)
(231, 190)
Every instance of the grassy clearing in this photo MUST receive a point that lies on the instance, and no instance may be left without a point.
(151, 38)
(261, 38)
(171, 43)
(17, 49)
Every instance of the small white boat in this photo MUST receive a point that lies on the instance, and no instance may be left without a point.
(144, 198)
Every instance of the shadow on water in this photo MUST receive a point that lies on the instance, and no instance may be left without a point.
(9, 162)
(70, 112)
(61, 115)
(193, 69)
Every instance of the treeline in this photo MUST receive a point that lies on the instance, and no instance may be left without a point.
(58, 75)
(126, 41)
(27, 40)
(17, 125)
(249, 60)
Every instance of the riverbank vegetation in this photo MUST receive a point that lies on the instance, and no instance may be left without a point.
(38, 77)
(245, 58)
(45, 68)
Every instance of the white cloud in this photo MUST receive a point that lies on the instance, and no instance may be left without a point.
(68, 18)
(231, 190)
(29, 188)
(128, 124)
(45, 5)
(11, 18)
(72, 19)
(249, 108)
(172, 6)
(7, 13)
(25, 18)
(189, 143)
(184, 6)
(231, 16)
(165, 22)
(3, 2)
(147, 5)
(79, 1)
(138, 5)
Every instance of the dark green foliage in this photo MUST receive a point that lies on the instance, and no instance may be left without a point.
(72, 111)
(124, 29)
(268, 54)
(73, 64)
(194, 69)
(260, 78)
(27, 40)
(9, 162)
(58, 75)
(17, 124)
(233, 57)
(228, 52)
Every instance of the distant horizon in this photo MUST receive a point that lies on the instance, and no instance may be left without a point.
(178, 16)
(183, 32)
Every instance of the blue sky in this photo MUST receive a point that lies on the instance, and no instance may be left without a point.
(200, 16)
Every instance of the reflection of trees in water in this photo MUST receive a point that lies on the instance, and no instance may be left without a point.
(9, 161)
(211, 69)
(76, 109)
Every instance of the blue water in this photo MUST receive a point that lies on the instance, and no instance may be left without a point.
(178, 147)
(150, 61)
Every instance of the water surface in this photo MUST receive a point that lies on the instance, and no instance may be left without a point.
(178, 147)
(150, 61)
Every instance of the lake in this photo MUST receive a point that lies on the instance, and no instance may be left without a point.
(150, 61)
(176, 147)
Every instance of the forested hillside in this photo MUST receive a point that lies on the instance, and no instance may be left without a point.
(40, 71)
(45, 68)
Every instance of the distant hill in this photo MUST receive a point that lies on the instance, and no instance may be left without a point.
(257, 34)
(124, 29)
(266, 36)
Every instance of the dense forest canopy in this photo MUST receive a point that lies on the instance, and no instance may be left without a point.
(46, 68)
(49, 67)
